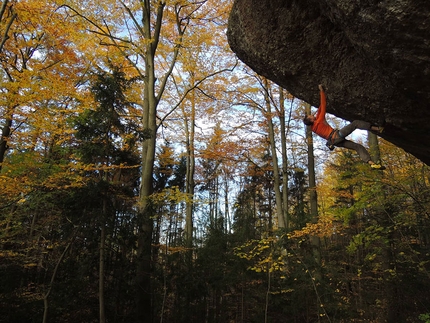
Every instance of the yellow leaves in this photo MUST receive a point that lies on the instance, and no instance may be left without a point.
(42, 72)
(170, 250)
(370, 257)
(79, 166)
(325, 227)
(13, 187)
(170, 195)
(258, 247)
(264, 253)
(28, 173)
(9, 254)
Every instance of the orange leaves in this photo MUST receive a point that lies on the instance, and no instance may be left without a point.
(221, 149)
(325, 227)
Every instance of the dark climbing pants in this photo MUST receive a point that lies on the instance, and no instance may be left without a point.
(345, 131)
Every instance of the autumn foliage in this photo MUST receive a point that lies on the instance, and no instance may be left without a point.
(146, 175)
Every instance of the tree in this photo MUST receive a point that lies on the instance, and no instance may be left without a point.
(34, 42)
(7, 17)
(106, 146)
(284, 125)
(282, 221)
(152, 49)
(311, 170)
(313, 200)
(261, 97)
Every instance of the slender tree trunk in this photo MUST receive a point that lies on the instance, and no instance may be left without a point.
(277, 180)
(189, 189)
(4, 139)
(266, 307)
(146, 212)
(102, 266)
(311, 171)
(8, 118)
(313, 199)
(151, 17)
(284, 156)
(226, 205)
(54, 274)
(391, 292)
(144, 251)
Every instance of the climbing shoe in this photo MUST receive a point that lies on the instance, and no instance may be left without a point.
(377, 167)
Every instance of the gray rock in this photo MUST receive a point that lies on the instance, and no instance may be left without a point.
(372, 56)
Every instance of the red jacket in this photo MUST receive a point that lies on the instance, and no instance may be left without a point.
(320, 125)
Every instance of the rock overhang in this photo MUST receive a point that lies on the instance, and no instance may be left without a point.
(372, 56)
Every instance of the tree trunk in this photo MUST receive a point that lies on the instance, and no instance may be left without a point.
(189, 185)
(102, 266)
(8, 118)
(5, 35)
(284, 156)
(146, 212)
(311, 171)
(144, 251)
(4, 139)
(54, 274)
(277, 180)
(313, 199)
(151, 19)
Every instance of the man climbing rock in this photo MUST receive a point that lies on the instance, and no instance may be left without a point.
(335, 137)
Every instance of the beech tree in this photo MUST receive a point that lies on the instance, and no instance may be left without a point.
(34, 43)
(37, 90)
(149, 36)
(130, 144)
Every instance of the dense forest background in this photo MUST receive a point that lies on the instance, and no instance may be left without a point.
(147, 175)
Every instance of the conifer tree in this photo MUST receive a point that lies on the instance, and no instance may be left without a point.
(108, 150)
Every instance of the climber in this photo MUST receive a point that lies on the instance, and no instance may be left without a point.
(335, 137)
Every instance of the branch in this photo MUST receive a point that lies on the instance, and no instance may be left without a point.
(101, 31)
(54, 274)
(3, 8)
(192, 88)
(158, 24)
(8, 26)
(142, 32)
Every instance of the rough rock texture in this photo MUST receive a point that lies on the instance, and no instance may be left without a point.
(372, 56)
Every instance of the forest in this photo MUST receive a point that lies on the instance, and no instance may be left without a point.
(147, 175)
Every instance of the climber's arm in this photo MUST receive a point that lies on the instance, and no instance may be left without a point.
(320, 115)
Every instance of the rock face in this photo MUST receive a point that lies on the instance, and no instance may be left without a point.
(372, 56)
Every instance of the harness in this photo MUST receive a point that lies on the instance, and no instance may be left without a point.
(333, 139)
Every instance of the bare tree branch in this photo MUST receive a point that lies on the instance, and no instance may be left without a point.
(195, 86)
(5, 36)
